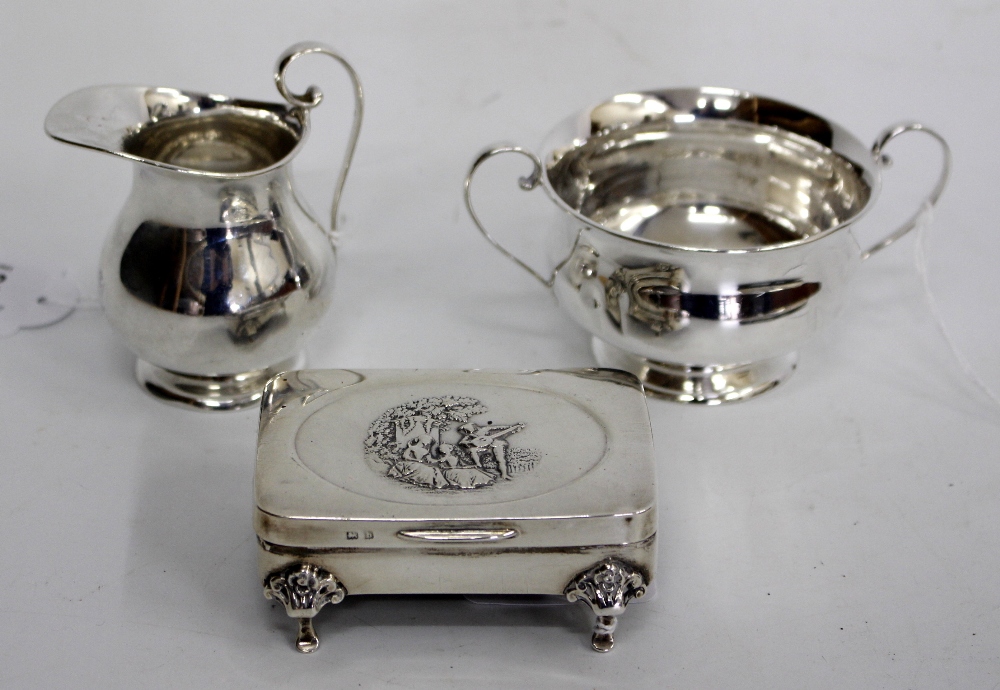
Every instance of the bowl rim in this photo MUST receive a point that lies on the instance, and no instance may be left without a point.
(843, 144)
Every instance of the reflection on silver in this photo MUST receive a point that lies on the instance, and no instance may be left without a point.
(652, 296)
(453, 536)
(656, 296)
(704, 230)
(215, 269)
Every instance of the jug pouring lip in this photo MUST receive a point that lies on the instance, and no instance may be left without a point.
(189, 132)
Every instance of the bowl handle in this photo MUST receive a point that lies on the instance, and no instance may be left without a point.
(884, 138)
(526, 183)
(309, 100)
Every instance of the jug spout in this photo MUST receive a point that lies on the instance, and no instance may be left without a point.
(196, 133)
(203, 134)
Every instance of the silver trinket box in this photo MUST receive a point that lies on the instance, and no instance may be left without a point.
(455, 482)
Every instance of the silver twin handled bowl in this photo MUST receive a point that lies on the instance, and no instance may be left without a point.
(702, 235)
(215, 269)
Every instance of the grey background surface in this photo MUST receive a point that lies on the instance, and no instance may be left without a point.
(841, 531)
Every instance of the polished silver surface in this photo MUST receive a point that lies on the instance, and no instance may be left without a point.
(608, 587)
(704, 234)
(304, 589)
(888, 135)
(579, 522)
(228, 392)
(215, 269)
(455, 535)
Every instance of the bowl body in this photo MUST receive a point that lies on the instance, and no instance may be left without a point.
(703, 235)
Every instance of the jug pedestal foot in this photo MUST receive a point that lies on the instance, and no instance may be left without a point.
(703, 385)
(224, 392)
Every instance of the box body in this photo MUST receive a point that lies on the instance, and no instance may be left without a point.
(426, 482)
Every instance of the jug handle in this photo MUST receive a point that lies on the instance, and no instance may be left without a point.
(884, 138)
(312, 98)
(527, 183)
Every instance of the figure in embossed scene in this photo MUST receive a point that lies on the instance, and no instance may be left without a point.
(432, 443)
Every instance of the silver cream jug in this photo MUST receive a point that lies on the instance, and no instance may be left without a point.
(215, 269)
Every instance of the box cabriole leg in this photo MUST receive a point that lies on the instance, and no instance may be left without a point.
(307, 640)
(304, 589)
(607, 587)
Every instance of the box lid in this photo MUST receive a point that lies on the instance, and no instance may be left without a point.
(412, 458)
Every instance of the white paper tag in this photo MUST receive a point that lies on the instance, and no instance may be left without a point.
(32, 296)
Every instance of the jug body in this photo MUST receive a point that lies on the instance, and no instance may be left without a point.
(214, 282)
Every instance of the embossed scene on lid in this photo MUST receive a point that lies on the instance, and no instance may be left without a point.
(406, 445)
(433, 442)
(449, 443)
